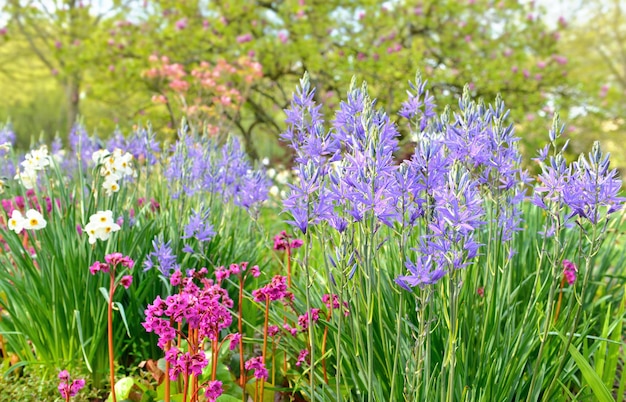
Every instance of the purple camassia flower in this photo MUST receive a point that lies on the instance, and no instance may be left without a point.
(305, 132)
(592, 192)
(142, 144)
(421, 273)
(82, 144)
(419, 176)
(253, 189)
(199, 226)
(7, 136)
(421, 104)
(116, 141)
(162, 257)
(309, 201)
(230, 169)
(457, 213)
(552, 182)
(366, 182)
(197, 164)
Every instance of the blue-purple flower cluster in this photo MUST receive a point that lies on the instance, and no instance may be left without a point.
(199, 165)
(193, 164)
(586, 189)
(349, 174)
(7, 141)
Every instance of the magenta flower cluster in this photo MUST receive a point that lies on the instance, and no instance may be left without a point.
(569, 271)
(282, 241)
(240, 270)
(273, 291)
(256, 364)
(112, 261)
(203, 307)
(69, 389)
(213, 390)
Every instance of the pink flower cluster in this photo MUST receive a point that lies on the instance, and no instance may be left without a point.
(303, 320)
(256, 364)
(112, 261)
(216, 83)
(31, 201)
(239, 270)
(569, 271)
(282, 242)
(273, 291)
(213, 390)
(68, 389)
(331, 301)
(185, 363)
(205, 308)
(303, 357)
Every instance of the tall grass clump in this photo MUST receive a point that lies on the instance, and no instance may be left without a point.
(452, 275)
(184, 205)
(451, 262)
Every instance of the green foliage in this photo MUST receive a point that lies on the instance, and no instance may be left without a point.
(54, 312)
(101, 56)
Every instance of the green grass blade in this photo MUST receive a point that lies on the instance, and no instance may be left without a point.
(600, 391)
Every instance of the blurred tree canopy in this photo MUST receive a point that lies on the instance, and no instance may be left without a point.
(595, 42)
(85, 58)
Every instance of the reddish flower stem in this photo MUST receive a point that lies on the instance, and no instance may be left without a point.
(242, 371)
(288, 267)
(167, 373)
(288, 287)
(265, 325)
(185, 385)
(194, 379)
(558, 304)
(214, 360)
(110, 334)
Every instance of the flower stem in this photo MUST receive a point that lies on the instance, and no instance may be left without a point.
(288, 267)
(307, 292)
(167, 373)
(288, 287)
(324, 350)
(242, 371)
(265, 325)
(453, 336)
(110, 334)
(185, 386)
(558, 303)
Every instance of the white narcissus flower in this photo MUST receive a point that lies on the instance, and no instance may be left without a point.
(110, 185)
(100, 226)
(28, 178)
(34, 220)
(16, 223)
(2, 186)
(113, 167)
(98, 156)
(37, 159)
